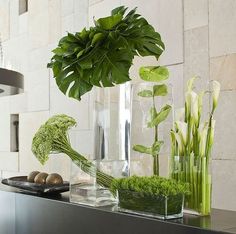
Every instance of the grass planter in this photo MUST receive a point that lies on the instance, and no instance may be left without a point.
(161, 207)
(153, 196)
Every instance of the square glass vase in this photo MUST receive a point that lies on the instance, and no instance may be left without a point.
(160, 207)
(84, 187)
(196, 171)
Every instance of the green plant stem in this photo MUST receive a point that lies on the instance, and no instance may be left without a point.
(88, 167)
(203, 171)
(155, 157)
(156, 165)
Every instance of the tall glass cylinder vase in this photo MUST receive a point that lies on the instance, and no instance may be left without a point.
(110, 147)
(196, 171)
(152, 120)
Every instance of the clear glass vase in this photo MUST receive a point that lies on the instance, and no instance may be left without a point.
(146, 134)
(111, 147)
(195, 171)
(161, 207)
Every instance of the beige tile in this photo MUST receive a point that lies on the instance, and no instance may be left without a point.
(39, 58)
(28, 125)
(18, 103)
(14, 18)
(9, 161)
(36, 6)
(67, 24)
(196, 61)
(81, 11)
(37, 89)
(5, 124)
(19, 60)
(67, 7)
(23, 23)
(195, 14)
(36, 77)
(38, 98)
(172, 34)
(59, 103)
(38, 24)
(177, 81)
(54, 9)
(92, 2)
(223, 185)
(222, 24)
(101, 9)
(223, 69)
(225, 130)
(4, 23)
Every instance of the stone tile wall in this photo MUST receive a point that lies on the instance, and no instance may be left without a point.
(200, 40)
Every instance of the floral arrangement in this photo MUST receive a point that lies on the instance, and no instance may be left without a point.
(103, 54)
(52, 138)
(156, 114)
(192, 141)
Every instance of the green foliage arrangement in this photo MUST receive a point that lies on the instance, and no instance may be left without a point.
(52, 137)
(150, 186)
(154, 74)
(102, 55)
(192, 141)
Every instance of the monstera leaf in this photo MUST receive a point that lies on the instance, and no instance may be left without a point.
(102, 55)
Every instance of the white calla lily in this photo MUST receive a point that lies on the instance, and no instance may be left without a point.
(192, 105)
(190, 83)
(200, 99)
(183, 130)
(212, 133)
(200, 129)
(193, 140)
(215, 93)
(179, 142)
(203, 140)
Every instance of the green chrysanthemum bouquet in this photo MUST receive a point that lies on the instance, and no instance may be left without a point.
(192, 141)
(52, 137)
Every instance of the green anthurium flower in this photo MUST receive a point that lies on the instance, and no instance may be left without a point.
(154, 73)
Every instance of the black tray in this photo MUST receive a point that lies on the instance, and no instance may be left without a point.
(33, 188)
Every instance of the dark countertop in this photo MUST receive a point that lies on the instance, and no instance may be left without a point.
(34, 211)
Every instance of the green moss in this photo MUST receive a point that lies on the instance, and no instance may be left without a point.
(150, 186)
